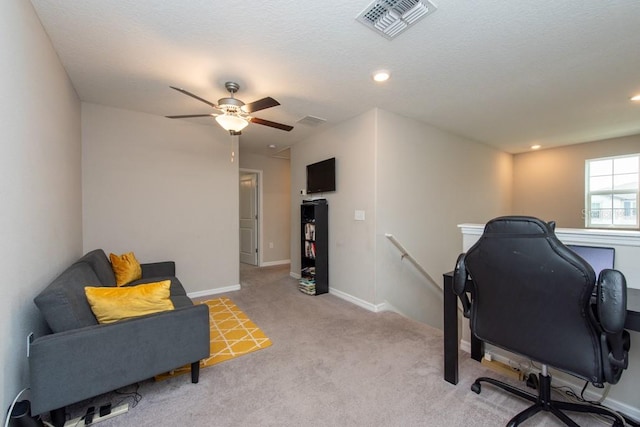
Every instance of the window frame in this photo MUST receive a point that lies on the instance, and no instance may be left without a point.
(612, 192)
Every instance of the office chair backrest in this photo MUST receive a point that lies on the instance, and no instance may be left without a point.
(531, 296)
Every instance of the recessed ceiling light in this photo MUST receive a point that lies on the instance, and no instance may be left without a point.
(381, 75)
(635, 98)
(272, 145)
(536, 147)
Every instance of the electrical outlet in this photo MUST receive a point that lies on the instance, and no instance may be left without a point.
(270, 245)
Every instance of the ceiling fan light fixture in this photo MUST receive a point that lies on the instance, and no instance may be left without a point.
(235, 113)
(231, 122)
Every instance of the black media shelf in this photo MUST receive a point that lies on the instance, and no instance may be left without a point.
(314, 247)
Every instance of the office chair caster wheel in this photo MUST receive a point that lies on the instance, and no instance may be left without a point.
(476, 387)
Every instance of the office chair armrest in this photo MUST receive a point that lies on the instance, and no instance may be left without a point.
(612, 313)
(612, 301)
(459, 282)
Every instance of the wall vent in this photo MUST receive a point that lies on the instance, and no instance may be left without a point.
(311, 121)
(391, 17)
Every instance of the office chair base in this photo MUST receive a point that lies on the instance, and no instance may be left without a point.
(543, 402)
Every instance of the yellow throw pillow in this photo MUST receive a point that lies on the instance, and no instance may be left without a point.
(110, 304)
(126, 268)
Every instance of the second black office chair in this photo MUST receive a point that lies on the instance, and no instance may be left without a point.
(533, 296)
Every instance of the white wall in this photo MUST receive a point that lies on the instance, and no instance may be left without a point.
(549, 184)
(40, 191)
(413, 181)
(276, 202)
(351, 243)
(164, 189)
(428, 181)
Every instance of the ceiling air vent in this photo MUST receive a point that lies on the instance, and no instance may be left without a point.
(391, 17)
(312, 121)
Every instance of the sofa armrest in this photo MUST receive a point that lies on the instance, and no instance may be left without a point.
(74, 365)
(158, 269)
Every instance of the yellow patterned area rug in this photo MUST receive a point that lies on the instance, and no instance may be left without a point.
(232, 334)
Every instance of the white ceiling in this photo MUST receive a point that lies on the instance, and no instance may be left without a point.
(506, 73)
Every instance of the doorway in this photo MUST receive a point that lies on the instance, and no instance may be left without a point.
(249, 211)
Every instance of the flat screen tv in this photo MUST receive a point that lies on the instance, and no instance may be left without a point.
(321, 176)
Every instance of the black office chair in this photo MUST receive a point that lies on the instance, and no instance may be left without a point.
(532, 296)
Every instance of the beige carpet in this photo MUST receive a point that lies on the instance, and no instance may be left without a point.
(232, 333)
(331, 364)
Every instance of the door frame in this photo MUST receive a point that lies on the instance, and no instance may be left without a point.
(259, 208)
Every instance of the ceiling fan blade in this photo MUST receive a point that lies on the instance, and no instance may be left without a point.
(187, 116)
(260, 104)
(194, 96)
(271, 124)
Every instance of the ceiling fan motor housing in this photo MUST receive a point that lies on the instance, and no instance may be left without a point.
(231, 104)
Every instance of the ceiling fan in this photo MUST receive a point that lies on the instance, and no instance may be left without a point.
(234, 115)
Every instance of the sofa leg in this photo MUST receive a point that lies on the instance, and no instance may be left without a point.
(195, 372)
(58, 417)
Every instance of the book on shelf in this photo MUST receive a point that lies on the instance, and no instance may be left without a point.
(308, 272)
(308, 291)
(310, 250)
(307, 286)
(310, 231)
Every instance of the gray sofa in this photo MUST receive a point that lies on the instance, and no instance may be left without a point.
(81, 358)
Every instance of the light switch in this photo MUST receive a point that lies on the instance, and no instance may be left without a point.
(359, 216)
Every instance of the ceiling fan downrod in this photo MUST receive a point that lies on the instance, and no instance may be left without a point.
(231, 105)
(232, 87)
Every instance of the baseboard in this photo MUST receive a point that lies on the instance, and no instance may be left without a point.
(465, 346)
(616, 405)
(376, 308)
(357, 301)
(214, 291)
(272, 263)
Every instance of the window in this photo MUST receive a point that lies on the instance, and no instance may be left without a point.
(611, 198)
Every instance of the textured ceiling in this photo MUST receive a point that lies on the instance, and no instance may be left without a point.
(506, 73)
